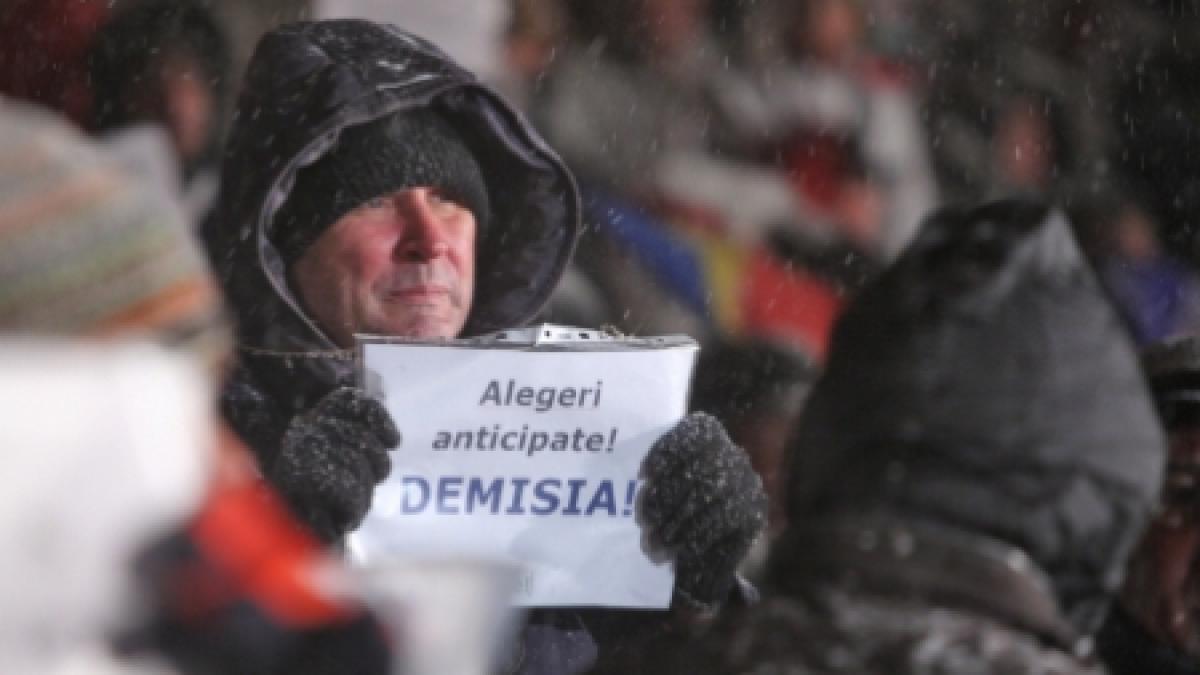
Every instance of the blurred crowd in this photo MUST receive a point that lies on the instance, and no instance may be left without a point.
(748, 165)
(746, 168)
(745, 164)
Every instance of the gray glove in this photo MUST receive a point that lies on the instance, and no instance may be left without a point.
(331, 458)
(704, 502)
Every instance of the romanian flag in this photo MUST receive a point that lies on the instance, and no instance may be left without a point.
(744, 292)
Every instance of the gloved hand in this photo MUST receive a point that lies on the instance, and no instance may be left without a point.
(331, 458)
(704, 502)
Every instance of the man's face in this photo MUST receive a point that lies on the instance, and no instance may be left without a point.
(1163, 588)
(189, 105)
(402, 264)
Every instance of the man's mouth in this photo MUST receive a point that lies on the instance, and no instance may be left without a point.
(417, 293)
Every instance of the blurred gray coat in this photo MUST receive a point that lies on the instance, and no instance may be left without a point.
(971, 472)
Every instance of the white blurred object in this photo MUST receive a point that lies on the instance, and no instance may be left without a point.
(145, 151)
(446, 617)
(470, 31)
(104, 448)
(751, 200)
(97, 659)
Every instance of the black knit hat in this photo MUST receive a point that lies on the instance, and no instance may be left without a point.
(412, 148)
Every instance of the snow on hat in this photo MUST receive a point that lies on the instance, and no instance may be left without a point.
(985, 383)
(408, 149)
(87, 252)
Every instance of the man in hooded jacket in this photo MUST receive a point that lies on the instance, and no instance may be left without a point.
(370, 184)
(971, 471)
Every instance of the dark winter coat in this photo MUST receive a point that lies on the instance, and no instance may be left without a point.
(970, 473)
(1129, 649)
(985, 382)
(879, 597)
(306, 83)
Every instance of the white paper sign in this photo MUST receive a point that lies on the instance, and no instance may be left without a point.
(529, 456)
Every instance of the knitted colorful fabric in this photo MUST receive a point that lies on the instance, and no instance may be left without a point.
(84, 251)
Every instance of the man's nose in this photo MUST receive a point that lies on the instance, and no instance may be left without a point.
(423, 235)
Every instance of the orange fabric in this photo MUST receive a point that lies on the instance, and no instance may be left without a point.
(191, 297)
(788, 304)
(248, 533)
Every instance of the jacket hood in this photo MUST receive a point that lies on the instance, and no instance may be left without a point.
(984, 383)
(306, 83)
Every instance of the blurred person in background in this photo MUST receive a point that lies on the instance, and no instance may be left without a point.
(1014, 142)
(44, 54)
(1158, 295)
(949, 517)
(535, 34)
(820, 94)
(160, 71)
(835, 176)
(471, 31)
(630, 90)
(632, 106)
(372, 185)
(1029, 147)
(1155, 625)
(1020, 95)
(1154, 110)
(94, 256)
(679, 210)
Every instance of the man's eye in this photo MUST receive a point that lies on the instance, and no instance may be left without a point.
(375, 203)
(440, 200)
